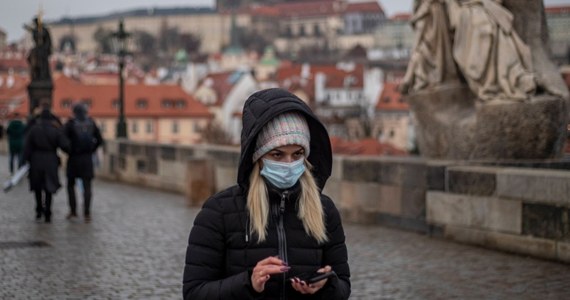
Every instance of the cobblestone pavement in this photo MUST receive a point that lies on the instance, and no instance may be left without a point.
(135, 246)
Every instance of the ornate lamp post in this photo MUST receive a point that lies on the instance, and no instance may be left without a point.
(121, 37)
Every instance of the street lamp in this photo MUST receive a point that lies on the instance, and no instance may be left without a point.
(120, 38)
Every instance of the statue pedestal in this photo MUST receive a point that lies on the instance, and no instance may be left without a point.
(40, 92)
(451, 124)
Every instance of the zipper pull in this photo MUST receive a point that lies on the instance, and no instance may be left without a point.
(282, 205)
(247, 230)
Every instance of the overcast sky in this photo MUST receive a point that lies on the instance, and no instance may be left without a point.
(14, 13)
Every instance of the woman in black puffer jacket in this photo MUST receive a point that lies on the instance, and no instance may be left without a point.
(253, 240)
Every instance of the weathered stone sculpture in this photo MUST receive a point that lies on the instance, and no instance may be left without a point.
(39, 55)
(431, 62)
(41, 85)
(509, 102)
(491, 56)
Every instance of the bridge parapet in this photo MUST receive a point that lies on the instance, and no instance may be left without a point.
(520, 207)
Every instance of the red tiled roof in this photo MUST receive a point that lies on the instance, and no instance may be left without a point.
(16, 63)
(20, 81)
(370, 7)
(16, 93)
(401, 17)
(100, 77)
(555, 10)
(102, 98)
(390, 99)
(367, 146)
(307, 9)
(335, 77)
(220, 84)
(263, 10)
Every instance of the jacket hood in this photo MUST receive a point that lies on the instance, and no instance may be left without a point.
(80, 111)
(263, 106)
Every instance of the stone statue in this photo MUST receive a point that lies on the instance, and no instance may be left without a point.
(39, 55)
(509, 100)
(431, 62)
(493, 59)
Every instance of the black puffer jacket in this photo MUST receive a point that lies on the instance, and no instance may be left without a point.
(221, 251)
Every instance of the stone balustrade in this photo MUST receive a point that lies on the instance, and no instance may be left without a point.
(520, 207)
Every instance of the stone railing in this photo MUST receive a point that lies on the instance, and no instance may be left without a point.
(523, 209)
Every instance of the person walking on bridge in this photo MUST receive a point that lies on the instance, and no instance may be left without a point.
(40, 150)
(255, 240)
(15, 132)
(85, 138)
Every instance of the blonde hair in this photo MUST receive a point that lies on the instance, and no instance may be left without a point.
(310, 208)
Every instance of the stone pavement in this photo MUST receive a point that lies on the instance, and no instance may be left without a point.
(135, 246)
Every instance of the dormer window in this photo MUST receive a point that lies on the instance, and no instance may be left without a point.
(173, 103)
(87, 101)
(167, 103)
(142, 103)
(66, 103)
(180, 103)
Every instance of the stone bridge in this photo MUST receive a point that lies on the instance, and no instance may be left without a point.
(134, 249)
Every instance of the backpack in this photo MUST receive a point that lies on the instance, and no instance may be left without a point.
(84, 133)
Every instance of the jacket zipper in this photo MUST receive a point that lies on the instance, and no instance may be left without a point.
(282, 240)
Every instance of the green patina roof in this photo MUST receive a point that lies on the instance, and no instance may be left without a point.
(234, 50)
(181, 56)
(269, 58)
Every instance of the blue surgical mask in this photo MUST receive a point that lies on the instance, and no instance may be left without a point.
(281, 174)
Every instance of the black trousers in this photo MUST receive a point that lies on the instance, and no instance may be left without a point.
(16, 156)
(43, 206)
(86, 195)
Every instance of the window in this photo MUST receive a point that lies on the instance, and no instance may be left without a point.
(174, 126)
(115, 104)
(102, 127)
(66, 103)
(317, 30)
(148, 127)
(197, 127)
(173, 103)
(142, 103)
(87, 101)
(135, 126)
(180, 103)
(166, 103)
(302, 30)
(288, 31)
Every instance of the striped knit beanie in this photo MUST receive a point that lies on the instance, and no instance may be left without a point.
(286, 129)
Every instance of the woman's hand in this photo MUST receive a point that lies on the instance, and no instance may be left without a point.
(304, 288)
(263, 271)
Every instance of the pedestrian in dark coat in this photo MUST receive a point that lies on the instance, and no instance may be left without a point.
(15, 132)
(40, 151)
(85, 138)
(253, 240)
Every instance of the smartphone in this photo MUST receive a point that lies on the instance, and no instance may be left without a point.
(315, 276)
